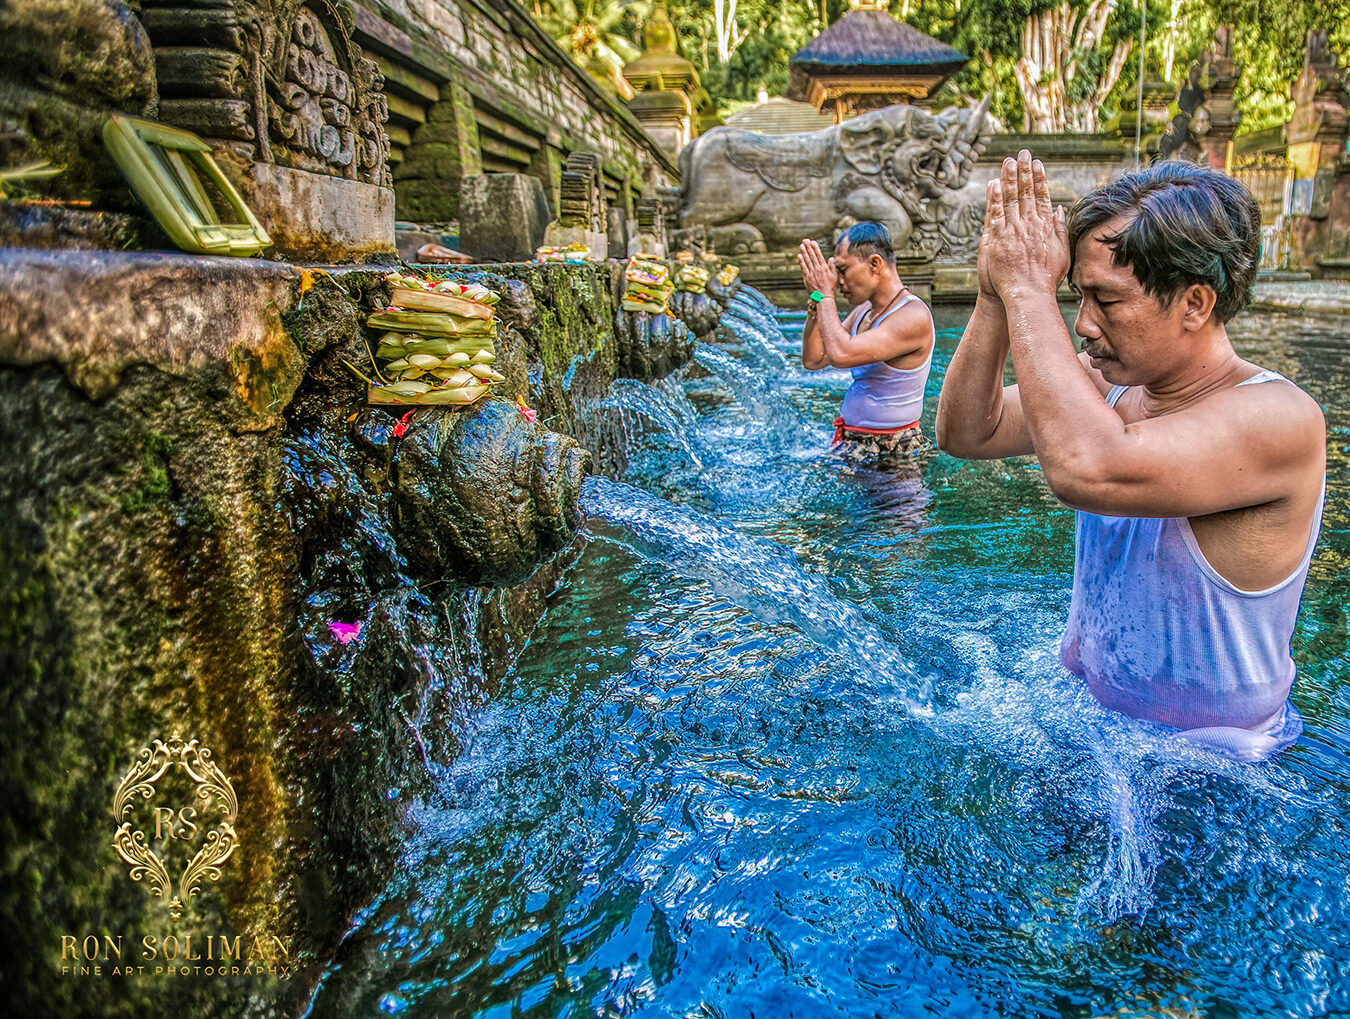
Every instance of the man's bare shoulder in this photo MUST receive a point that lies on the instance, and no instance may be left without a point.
(1272, 420)
(1273, 398)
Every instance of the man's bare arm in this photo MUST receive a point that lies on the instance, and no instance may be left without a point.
(826, 341)
(903, 332)
(977, 417)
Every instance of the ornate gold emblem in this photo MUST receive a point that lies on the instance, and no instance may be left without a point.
(209, 785)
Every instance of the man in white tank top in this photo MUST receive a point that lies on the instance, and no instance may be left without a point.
(886, 339)
(1198, 477)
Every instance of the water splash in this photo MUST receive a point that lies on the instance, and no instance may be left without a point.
(822, 767)
(755, 328)
(632, 410)
(752, 390)
(757, 574)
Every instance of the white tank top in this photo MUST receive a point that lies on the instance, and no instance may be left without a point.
(883, 396)
(1159, 634)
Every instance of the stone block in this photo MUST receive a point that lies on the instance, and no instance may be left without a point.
(316, 217)
(435, 160)
(617, 223)
(96, 314)
(437, 132)
(427, 201)
(502, 216)
(556, 236)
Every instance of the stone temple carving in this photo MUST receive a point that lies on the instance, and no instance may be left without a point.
(1207, 114)
(902, 166)
(279, 80)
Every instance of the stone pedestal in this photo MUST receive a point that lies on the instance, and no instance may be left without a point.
(561, 236)
(314, 217)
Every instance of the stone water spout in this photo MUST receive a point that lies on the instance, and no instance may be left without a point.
(650, 346)
(484, 496)
(703, 312)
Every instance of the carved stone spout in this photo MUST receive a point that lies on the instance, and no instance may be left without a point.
(485, 496)
(650, 346)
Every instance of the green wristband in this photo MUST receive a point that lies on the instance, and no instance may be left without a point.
(816, 297)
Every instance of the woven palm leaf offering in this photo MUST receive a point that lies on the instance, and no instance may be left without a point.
(437, 347)
(691, 278)
(575, 252)
(647, 285)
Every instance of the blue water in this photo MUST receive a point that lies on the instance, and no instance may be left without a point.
(792, 739)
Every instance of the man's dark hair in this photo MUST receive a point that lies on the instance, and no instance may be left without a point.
(866, 239)
(1188, 225)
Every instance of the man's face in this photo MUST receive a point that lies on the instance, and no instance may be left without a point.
(1130, 336)
(854, 273)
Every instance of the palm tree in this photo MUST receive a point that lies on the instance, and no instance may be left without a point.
(587, 30)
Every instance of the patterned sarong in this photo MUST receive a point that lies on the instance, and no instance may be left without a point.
(879, 448)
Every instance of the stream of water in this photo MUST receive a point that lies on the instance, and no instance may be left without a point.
(793, 739)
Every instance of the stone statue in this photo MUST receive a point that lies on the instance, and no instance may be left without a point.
(1205, 107)
(898, 166)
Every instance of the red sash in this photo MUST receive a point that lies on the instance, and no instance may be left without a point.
(840, 428)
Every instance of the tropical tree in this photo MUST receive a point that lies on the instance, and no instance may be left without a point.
(593, 32)
(1069, 65)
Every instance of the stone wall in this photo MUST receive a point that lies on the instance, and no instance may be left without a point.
(302, 120)
(474, 86)
(1074, 163)
(192, 491)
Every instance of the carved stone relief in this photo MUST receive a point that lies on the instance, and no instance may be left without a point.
(280, 80)
(901, 166)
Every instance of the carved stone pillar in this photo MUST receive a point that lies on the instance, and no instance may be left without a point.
(1317, 133)
(1222, 74)
(1202, 130)
(1316, 137)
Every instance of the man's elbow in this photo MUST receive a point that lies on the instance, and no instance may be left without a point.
(1081, 482)
(954, 441)
(946, 441)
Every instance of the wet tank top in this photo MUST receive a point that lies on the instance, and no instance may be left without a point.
(883, 396)
(1157, 633)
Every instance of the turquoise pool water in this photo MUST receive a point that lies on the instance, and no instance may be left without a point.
(791, 740)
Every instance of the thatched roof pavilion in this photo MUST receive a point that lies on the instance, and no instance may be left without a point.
(868, 59)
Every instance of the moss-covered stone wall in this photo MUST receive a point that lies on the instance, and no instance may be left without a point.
(192, 491)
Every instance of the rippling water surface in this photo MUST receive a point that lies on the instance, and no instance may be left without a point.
(792, 740)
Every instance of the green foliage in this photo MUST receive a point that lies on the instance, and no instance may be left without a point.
(761, 61)
(1268, 41)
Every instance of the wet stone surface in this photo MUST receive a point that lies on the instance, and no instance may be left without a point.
(484, 496)
(195, 497)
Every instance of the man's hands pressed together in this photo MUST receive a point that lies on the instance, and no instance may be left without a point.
(818, 272)
(1024, 250)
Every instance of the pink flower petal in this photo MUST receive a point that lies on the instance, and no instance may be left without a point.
(345, 633)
